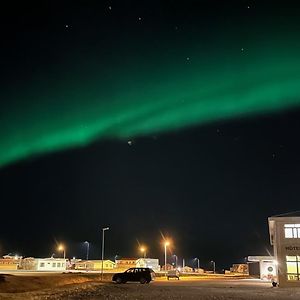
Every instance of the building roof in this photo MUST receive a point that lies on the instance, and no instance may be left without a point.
(260, 258)
(127, 258)
(287, 214)
(94, 261)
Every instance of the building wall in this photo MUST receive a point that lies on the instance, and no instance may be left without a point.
(43, 264)
(9, 264)
(152, 263)
(287, 252)
(95, 265)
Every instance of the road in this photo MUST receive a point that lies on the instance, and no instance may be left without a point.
(186, 289)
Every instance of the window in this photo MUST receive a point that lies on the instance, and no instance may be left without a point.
(53, 265)
(58, 265)
(293, 267)
(292, 231)
(42, 265)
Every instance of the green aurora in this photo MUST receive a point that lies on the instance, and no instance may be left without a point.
(141, 97)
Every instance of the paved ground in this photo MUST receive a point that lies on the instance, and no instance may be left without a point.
(203, 289)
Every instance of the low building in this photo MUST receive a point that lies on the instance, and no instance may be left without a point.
(264, 267)
(152, 263)
(285, 237)
(10, 263)
(126, 263)
(239, 269)
(94, 265)
(187, 269)
(167, 267)
(50, 264)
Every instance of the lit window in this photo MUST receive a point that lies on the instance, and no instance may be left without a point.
(292, 231)
(293, 267)
(42, 265)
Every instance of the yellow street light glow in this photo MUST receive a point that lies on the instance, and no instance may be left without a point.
(60, 247)
(167, 243)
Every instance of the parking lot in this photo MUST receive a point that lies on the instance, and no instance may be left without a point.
(185, 288)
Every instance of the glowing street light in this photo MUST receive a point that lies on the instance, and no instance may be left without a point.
(143, 250)
(87, 249)
(62, 248)
(102, 256)
(167, 243)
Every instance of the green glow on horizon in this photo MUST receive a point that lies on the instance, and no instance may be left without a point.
(77, 115)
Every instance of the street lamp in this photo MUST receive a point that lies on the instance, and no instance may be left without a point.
(87, 249)
(102, 256)
(175, 256)
(198, 263)
(143, 250)
(62, 248)
(214, 266)
(166, 244)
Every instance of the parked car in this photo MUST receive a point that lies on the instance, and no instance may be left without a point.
(173, 274)
(142, 275)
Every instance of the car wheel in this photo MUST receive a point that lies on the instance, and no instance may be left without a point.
(143, 280)
(119, 280)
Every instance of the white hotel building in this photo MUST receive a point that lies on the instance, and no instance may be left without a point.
(285, 237)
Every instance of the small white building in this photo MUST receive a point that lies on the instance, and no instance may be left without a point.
(152, 263)
(285, 237)
(267, 267)
(50, 264)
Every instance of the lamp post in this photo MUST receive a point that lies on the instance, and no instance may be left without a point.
(214, 266)
(166, 244)
(62, 248)
(143, 250)
(198, 263)
(87, 249)
(175, 260)
(102, 256)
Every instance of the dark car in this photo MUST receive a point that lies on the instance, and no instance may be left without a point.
(143, 275)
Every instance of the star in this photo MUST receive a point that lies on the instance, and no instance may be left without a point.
(187, 58)
(129, 143)
(67, 26)
(109, 7)
(140, 19)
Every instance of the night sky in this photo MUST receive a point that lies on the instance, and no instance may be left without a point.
(175, 119)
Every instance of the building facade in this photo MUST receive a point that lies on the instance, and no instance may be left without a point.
(126, 263)
(49, 264)
(95, 265)
(285, 237)
(10, 263)
(152, 263)
(263, 266)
